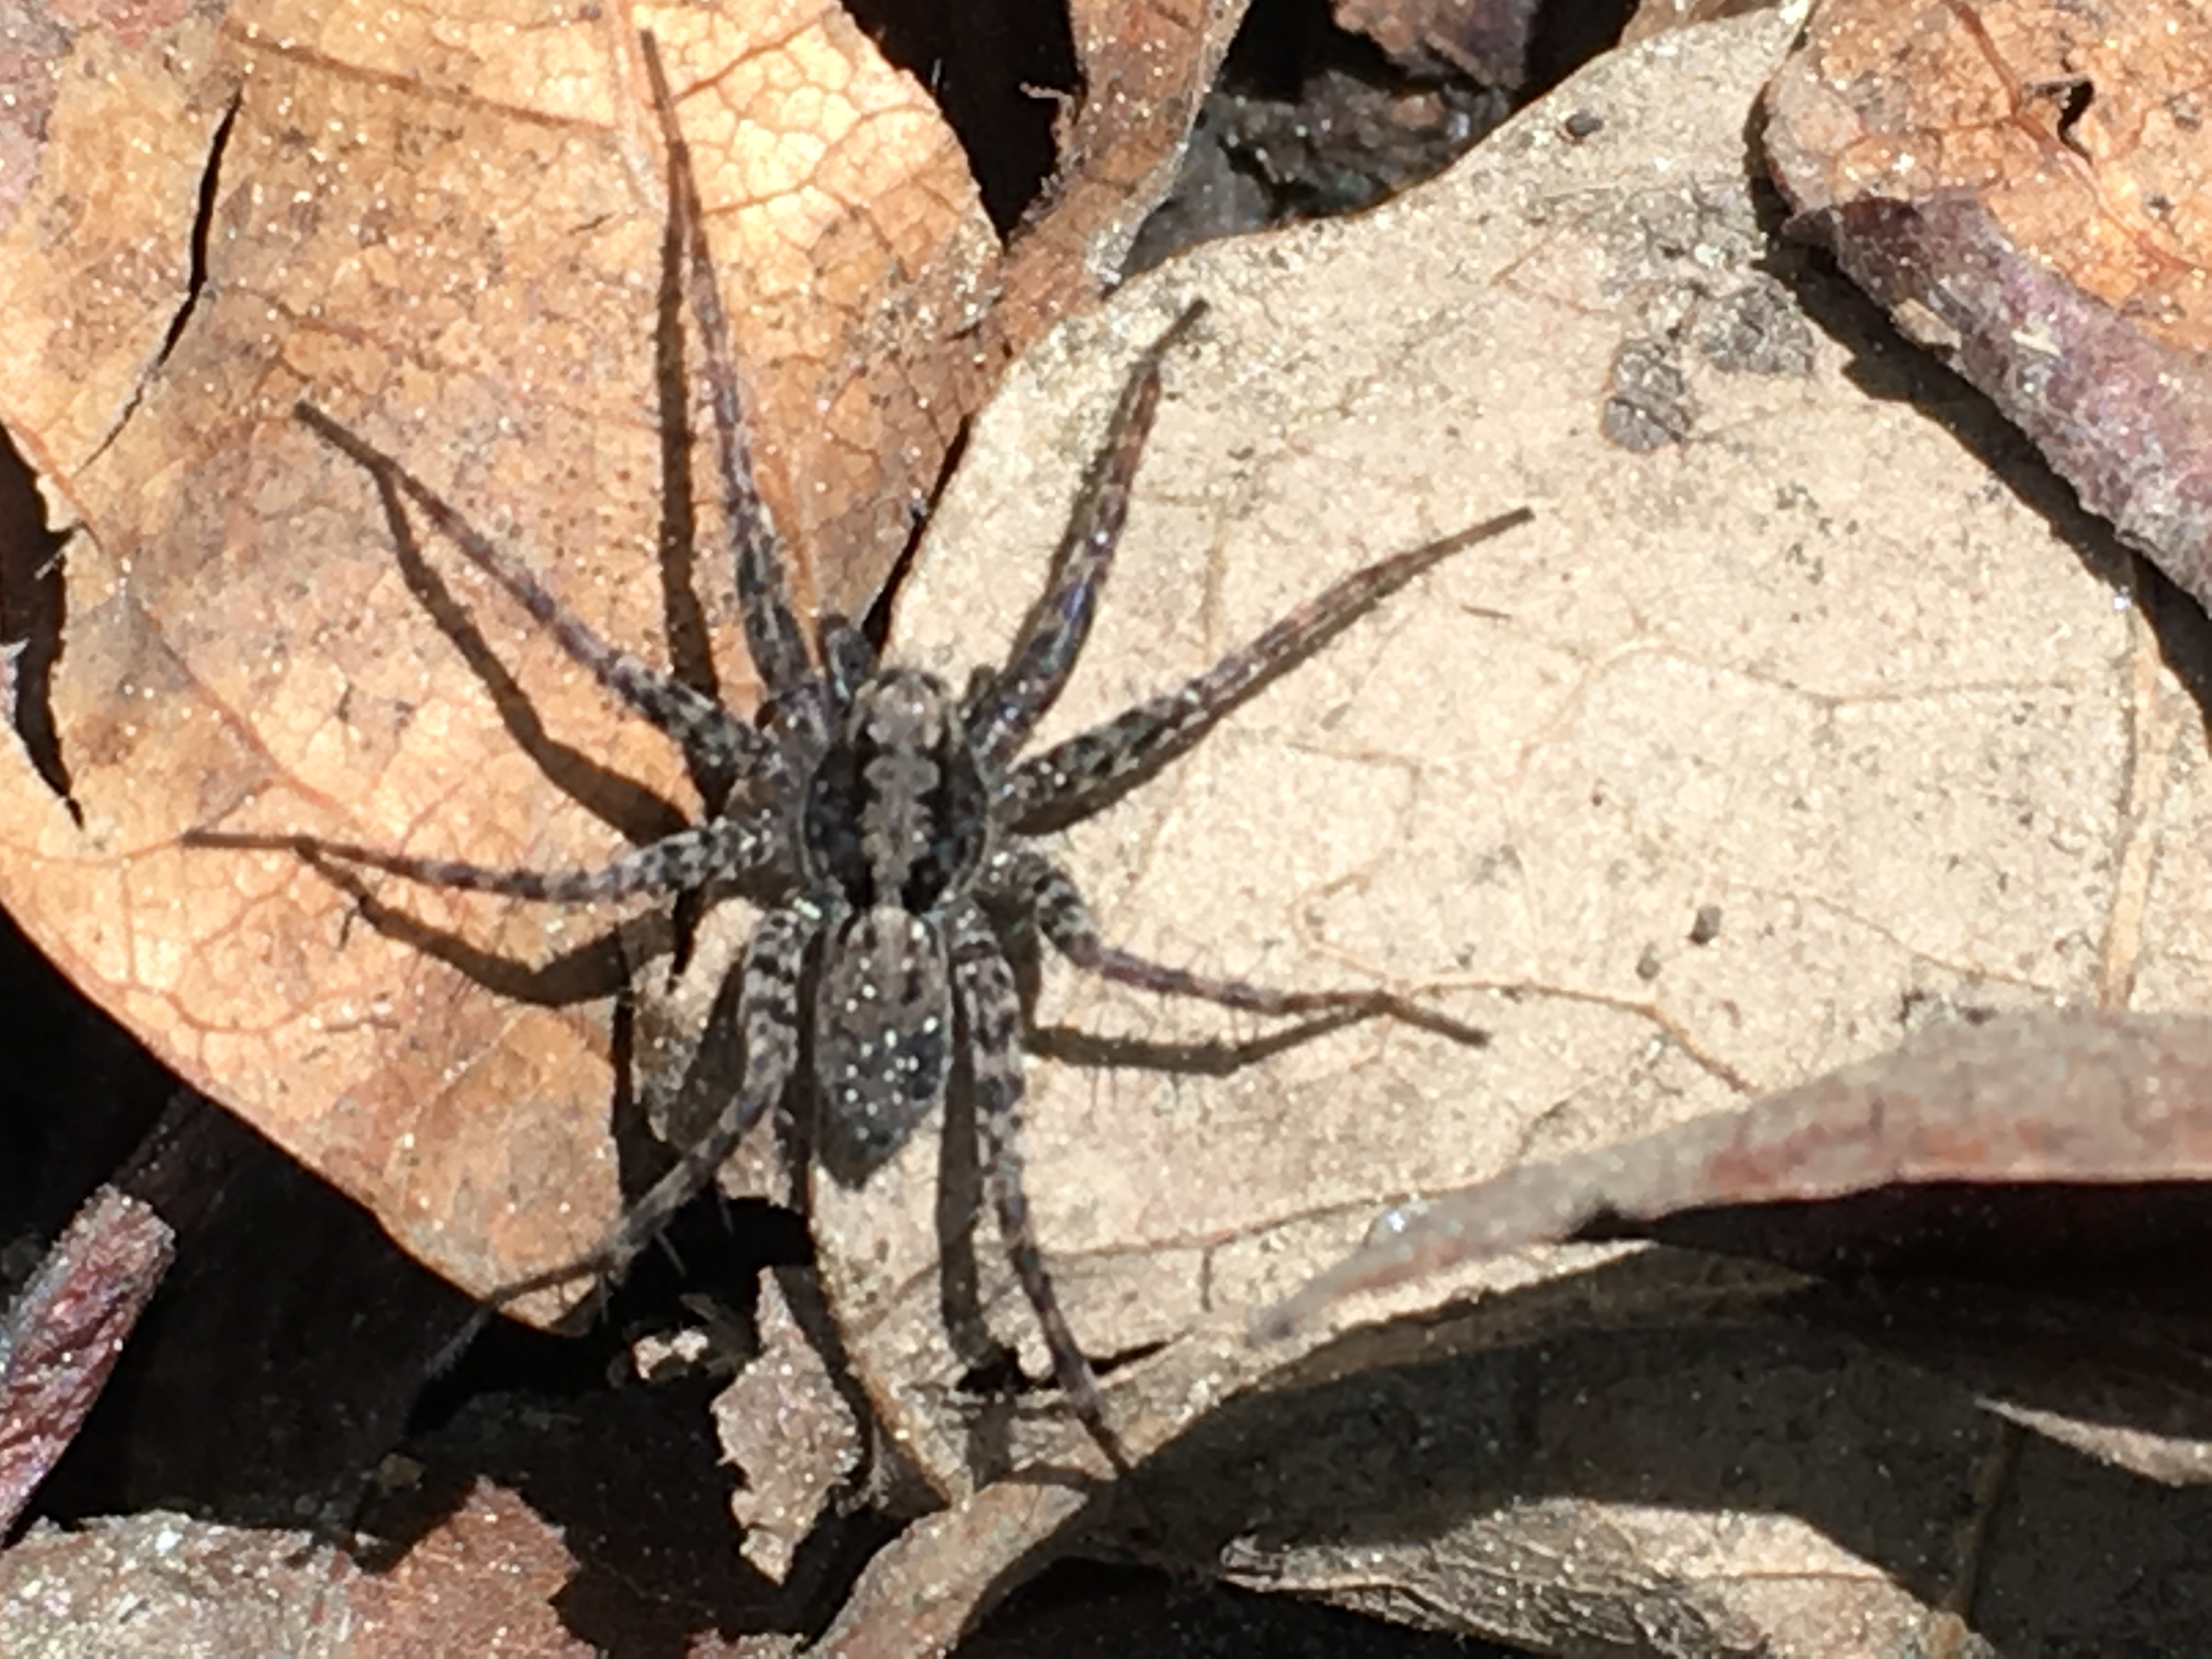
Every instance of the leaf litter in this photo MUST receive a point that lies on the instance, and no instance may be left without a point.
(447, 232)
(2009, 1182)
(2016, 183)
(1900, 723)
(65, 1331)
(1805, 665)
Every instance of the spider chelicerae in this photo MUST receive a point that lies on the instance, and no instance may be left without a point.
(886, 823)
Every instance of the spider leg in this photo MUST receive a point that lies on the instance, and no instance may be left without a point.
(768, 1014)
(688, 860)
(990, 1009)
(773, 634)
(1074, 779)
(1001, 714)
(702, 728)
(1041, 888)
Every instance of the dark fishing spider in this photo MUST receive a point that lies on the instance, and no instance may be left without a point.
(883, 823)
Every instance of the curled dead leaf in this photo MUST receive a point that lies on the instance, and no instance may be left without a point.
(2070, 1099)
(2016, 182)
(65, 1331)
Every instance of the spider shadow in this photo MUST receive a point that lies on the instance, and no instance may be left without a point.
(602, 966)
(638, 813)
(605, 965)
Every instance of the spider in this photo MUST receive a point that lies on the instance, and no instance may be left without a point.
(883, 823)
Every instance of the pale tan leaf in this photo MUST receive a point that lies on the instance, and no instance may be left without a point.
(1758, 741)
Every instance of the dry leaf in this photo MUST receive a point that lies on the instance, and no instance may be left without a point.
(462, 268)
(482, 1580)
(2029, 1192)
(918, 1596)
(65, 1331)
(1145, 67)
(168, 1583)
(487, 1579)
(2020, 182)
(2063, 1099)
(789, 1431)
(1756, 743)
(448, 230)
(1486, 41)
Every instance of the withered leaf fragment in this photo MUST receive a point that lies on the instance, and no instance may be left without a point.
(2020, 184)
(65, 1331)
(2079, 1097)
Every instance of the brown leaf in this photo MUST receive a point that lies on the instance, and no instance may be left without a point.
(917, 1596)
(786, 1427)
(65, 1330)
(2016, 182)
(1145, 67)
(117, 1588)
(448, 234)
(1487, 40)
(445, 240)
(483, 1581)
(2062, 1098)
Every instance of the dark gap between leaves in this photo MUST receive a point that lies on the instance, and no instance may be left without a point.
(713, 1246)
(33, 606)
(998, 70)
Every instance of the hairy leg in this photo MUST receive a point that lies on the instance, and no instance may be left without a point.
(726, 849)
(702, 726)
(990, 1012)
(1071, 781)
(1007, 706)
(768, 1017)
(1033, 884)
(772, 628)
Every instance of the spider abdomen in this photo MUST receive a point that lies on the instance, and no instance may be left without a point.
(883, 1036)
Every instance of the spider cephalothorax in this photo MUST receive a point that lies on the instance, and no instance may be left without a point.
(885, 826)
